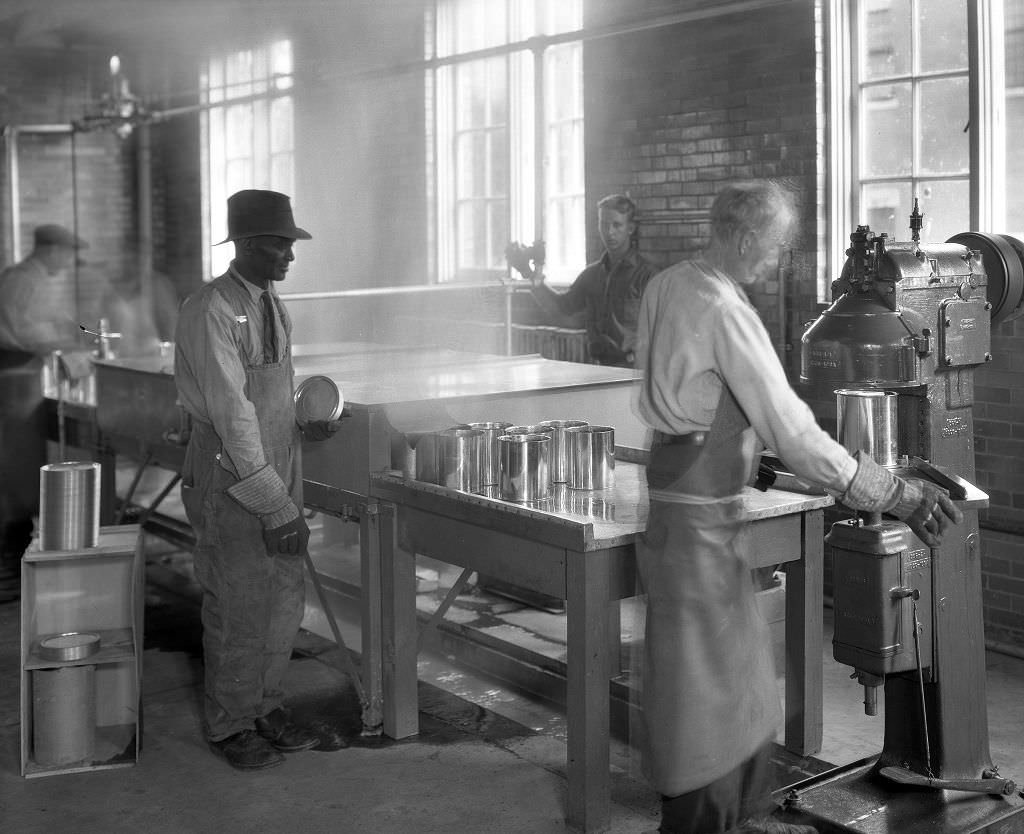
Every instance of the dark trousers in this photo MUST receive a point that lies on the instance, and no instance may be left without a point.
(22, 450)
(722, 805)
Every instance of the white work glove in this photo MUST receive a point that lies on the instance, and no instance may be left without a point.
(924, 507)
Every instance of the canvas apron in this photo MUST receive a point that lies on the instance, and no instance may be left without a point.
(252, 601)
(709, 691)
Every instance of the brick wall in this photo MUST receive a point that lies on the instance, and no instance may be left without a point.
(81, 181)
(999, 458)
(673, 113)
(177, 197)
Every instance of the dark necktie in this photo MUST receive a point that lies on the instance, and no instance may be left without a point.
(269, 329)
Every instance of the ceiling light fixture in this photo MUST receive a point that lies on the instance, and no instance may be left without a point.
(119, 109)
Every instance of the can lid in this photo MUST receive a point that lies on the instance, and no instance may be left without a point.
(71, 645)
(317, 398)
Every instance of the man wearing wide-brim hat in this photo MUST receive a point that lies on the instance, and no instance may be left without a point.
(242, 482)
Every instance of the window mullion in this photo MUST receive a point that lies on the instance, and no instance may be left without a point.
(987, 74)
(843, 138)
(541, 162)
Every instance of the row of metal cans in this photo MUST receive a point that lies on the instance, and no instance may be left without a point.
(521, 463)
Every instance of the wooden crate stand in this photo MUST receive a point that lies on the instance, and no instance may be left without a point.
(98, 589)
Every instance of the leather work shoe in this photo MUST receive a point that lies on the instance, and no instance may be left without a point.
(285, 736)
(247, 751)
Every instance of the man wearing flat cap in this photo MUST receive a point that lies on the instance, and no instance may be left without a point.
(242, 482)
(30, 321)
(33, 322)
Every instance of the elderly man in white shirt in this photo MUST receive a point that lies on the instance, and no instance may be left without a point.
(715, 395)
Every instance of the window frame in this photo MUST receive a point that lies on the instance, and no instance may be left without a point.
(840, 92)
(528, 118)
(267, 88)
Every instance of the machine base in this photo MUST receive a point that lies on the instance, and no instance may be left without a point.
(854, 799)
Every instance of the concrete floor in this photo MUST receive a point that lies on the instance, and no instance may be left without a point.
(488, 759)
(469, 770)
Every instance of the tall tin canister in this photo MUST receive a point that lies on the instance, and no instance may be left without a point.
(867, 420)
(490, 464)
(69, 505)
(525, 467)
(458, 459)
(592, 451)
(560, 460)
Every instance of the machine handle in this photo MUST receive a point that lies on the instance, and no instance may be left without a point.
(955, 487)
(1003, 787)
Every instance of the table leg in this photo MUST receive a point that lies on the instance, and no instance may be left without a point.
(399, 629)
(107, 459)
(615, 660)
(587, 700)
(804, 639)
(370, 604)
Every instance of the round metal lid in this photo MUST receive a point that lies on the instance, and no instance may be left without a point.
(72, 645)
(317, 398)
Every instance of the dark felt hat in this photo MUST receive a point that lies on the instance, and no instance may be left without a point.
(255, 212)
(53, 235)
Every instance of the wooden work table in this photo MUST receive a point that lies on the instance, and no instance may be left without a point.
(579, 546)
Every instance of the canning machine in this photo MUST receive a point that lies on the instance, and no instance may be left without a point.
(910, 324)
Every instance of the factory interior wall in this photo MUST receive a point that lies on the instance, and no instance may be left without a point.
(82, 181)
(671, 113)
(674, 112)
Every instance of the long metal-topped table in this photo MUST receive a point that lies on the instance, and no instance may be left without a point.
(397, 396)
(580, 547)
(392, 394)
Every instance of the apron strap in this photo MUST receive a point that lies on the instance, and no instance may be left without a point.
(729, 422)
(712, 468)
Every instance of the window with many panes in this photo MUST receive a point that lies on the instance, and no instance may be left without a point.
(913, 100)
(248, 134)
(1013, 32)
(506, 105)
(924, 97)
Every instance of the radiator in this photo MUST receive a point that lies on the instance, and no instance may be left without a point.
(550, 342)
(566, 344)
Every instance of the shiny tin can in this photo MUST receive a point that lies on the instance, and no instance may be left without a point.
(525, 467)
(458, 459)
(490, 464)
(560, 458)
(866, 421)
(592, 452)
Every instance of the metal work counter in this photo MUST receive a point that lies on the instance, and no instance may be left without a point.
(586, 558)
(392, 394)
(399, 395)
